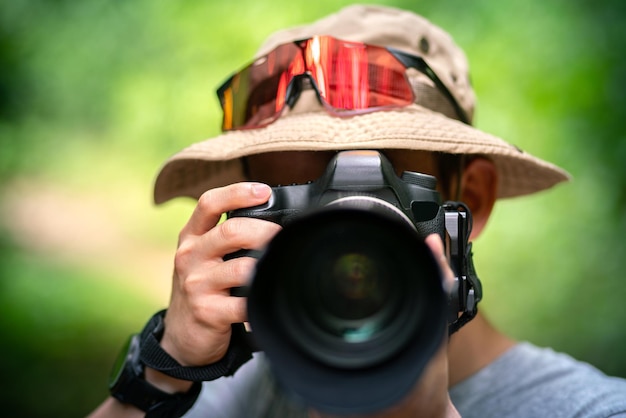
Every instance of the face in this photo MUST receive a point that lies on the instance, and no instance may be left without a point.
(283, 168)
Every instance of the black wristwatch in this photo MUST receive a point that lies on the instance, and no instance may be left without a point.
(128, 385)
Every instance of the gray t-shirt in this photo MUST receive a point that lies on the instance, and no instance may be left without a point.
(528, 381)
(525, 382)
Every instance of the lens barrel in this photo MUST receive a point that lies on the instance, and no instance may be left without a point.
(348, 305)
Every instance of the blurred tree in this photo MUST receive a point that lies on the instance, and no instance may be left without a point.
(94, 95)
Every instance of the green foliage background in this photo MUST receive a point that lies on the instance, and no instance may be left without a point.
(94, 95)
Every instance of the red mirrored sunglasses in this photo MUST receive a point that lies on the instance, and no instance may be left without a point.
(349, 78)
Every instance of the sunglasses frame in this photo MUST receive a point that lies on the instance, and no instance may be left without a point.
(417, 62)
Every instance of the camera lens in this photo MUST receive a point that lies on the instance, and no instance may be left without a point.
(346, 301)
(347, 286)
(353, 288)
(349, 297)
(346, 296)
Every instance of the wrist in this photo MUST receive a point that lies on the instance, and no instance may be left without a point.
(188, 355)
(155, 356)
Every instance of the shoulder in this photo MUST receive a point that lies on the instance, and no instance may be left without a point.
(532, 381)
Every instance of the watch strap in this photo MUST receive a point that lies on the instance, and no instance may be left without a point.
(156, 403)
(152, 355)
(130, 387)
(176, 406)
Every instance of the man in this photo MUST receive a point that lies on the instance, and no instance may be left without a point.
(283, 128)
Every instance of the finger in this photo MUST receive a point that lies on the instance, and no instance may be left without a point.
(212, 277)
(436, 246)
(215, 311)
(213, 203)
(238, 233)
(226, 310)
(219, 278)
(232, 273)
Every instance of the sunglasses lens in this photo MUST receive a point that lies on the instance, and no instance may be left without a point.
(255, 96)
(350, 78)
(354, 77)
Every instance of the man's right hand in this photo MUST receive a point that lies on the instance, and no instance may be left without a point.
(198, 320)
(201, 312)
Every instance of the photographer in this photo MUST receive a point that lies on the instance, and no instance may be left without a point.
(282, 128)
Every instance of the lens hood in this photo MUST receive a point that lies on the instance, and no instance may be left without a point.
(348, 305)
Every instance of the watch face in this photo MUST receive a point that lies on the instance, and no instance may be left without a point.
(129, 352)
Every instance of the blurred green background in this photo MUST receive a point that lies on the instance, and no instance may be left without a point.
(94, 95)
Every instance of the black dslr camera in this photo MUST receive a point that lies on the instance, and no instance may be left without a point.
(347, 300)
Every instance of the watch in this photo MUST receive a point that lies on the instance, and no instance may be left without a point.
(128, 385)
(127, 381)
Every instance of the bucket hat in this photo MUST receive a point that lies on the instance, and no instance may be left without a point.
(429, 124)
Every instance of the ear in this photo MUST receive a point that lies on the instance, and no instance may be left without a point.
(479, 186)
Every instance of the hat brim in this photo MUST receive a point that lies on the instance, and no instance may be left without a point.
(215, 162)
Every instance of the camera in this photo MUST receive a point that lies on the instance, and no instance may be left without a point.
(347, 300)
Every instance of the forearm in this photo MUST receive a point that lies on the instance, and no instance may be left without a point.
(112, 408)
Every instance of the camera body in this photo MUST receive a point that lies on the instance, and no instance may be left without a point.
(348, 295)
(368, 180)
(356, 174)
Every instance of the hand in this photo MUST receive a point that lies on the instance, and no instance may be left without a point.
(429, 398)
(198, 320)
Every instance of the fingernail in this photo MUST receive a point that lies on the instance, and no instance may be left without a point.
(261, 190)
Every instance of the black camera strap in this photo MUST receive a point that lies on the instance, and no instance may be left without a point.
(153, 356)
(470, 293)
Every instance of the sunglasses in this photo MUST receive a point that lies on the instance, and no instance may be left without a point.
(349, 78)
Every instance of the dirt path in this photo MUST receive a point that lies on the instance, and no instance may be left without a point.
(83, 229)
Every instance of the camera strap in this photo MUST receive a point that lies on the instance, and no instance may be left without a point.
(152, 355)
(468, 289)
(470, 293)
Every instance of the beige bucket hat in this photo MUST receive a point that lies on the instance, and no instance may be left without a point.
(430, 124)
